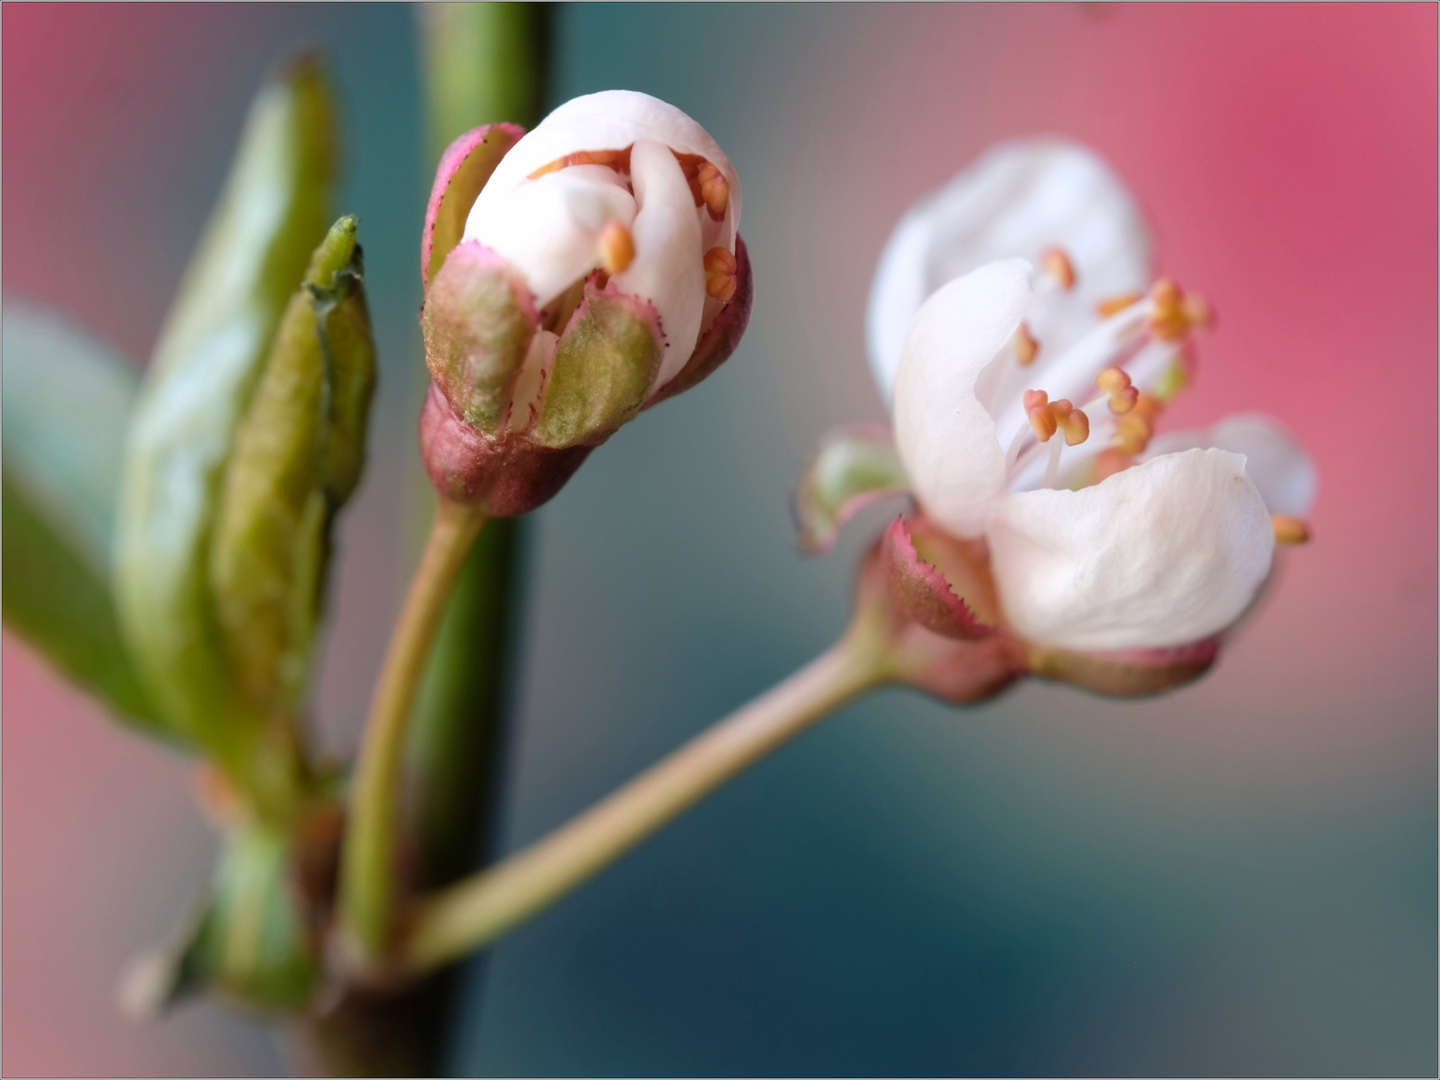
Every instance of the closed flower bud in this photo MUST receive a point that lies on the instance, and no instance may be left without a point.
(297, 458)
(574, 276)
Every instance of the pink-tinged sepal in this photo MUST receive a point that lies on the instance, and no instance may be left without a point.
(605, 364)
(960, 672)
(503, 477)
(723, 337)
(464, 169)
(478, 322)
(853, 468)
(938, 581)
(1126, 672)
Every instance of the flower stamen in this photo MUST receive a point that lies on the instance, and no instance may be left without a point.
(619, 160)
(1042, 420)
(1058, 268)
(720, 270)
(617, 247)
(1026, 347)
(1289, 530)
(1115, 383)
(707, 183)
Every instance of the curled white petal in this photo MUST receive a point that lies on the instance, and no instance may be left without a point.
(943, 431)
(1019, 199)
(668, 269)
(610, 120)
(548, 227)
(1166, 553)
(1280, 467)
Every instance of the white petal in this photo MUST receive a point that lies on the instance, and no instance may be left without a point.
(548, 227)
(1018, 200)
(668, 269)
(1281, 469)
(610, 120)
(944, 433)
(1166, 553)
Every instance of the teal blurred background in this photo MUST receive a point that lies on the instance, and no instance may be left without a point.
(1238, 879)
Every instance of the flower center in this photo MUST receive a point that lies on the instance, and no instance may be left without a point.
(1134, 358)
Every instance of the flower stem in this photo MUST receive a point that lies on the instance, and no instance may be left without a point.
(367, 872)
(476, 911)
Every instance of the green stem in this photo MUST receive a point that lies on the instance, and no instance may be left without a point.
(476, 911)
(368, 870)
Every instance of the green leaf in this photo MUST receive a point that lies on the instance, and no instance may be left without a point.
(66, 403)
(297, 458)
(212, 350)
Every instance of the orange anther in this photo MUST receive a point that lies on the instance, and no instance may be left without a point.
(720, 268)
(1058, 265)
(617, 247)
(1026, 347)
(1076, 426)
(1117, 304)
(1042, 418)
(1289, 530)
(1168, 321)
(1132, 433)
(1148, 408)
(1116, 383)
(1072, 421)
(714, 189)
(619, 160)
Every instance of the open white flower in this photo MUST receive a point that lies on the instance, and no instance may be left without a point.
(1014, 326)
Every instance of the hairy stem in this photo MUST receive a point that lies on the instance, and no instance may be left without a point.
(476, 911)
(368, 870)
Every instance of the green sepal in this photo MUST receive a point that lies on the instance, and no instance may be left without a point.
(852, 468)
(296, 459)
(478, 322)
(605, 364)
(211, 352)
(67, 399)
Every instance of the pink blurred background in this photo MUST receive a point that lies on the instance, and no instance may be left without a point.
(1288, 155)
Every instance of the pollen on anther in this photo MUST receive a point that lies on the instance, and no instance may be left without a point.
(1289, 530)
(1170, 320)
(1026, 347)
(720, 269)
(1116, 384)
(1132, 432)
(714, 189)
(1042, 418)
(617, 247)
(1058, 265)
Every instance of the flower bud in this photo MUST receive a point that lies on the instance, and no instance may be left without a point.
(284, 406)
(574, 277)
(297, 457)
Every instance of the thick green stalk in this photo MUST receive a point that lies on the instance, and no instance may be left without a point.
(481, 63)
